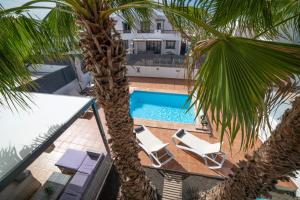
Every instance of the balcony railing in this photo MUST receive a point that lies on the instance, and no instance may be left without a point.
(168, 31)
(156, 60)
(149, 31)
(145, 31)
(124, 31)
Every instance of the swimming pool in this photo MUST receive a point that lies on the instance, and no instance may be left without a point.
(159, 106)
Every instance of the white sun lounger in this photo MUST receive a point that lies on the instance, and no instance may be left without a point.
(200, 147)
(152, 145)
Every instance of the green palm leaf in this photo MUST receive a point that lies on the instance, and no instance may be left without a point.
(62, 28)
(132, 15)
(25, 41)
(236, 81)
(247, 15)
(286, 21)
(22, 42)
(235, 77)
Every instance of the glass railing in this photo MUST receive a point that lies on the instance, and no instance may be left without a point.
(149, 31)
(149, 59)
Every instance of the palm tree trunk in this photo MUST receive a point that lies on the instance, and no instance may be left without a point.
(104, 57)
(276, 159)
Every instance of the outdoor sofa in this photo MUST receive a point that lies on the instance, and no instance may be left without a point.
(84, 165)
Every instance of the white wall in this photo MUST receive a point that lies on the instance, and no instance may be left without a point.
(297, 182)
(118, 21)
(166, 25)
(291, 37)
(158, 72)
(155, 35)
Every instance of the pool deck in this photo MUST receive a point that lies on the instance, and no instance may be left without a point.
(84, 135)
(185, 161)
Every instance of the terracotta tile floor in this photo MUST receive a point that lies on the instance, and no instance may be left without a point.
(159, 84)
(186, 161)
(83, 134)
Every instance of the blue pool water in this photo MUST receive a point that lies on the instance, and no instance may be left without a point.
(161, 106)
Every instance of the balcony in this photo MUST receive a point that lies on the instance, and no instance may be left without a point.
(149, 31)
(124, 31)
(145, 31)
(140, 34)
(169, 31)
(155, 60)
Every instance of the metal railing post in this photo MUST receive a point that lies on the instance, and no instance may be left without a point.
(99, 123)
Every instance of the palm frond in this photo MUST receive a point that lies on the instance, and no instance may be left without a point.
(247, 17)
(19, 37)
(24, 41)
(61, 25)
(286, 21)
(235, 78)
(188, 28)
(74, 5)
(132, 15)
(228, 16)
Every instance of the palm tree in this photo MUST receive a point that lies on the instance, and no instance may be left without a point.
(104, 57)
(242, 78)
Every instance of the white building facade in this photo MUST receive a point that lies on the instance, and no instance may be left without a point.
(152, 37)
(153, 48)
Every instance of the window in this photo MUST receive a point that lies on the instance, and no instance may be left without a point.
(125, 44)
(145, 27)
(126, 28)
(170, 44)
(153, 47)
(158, 26)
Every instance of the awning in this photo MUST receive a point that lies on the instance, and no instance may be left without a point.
(25, 134)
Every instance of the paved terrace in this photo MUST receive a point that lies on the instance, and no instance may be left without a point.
(186, 161)
(84, 135)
